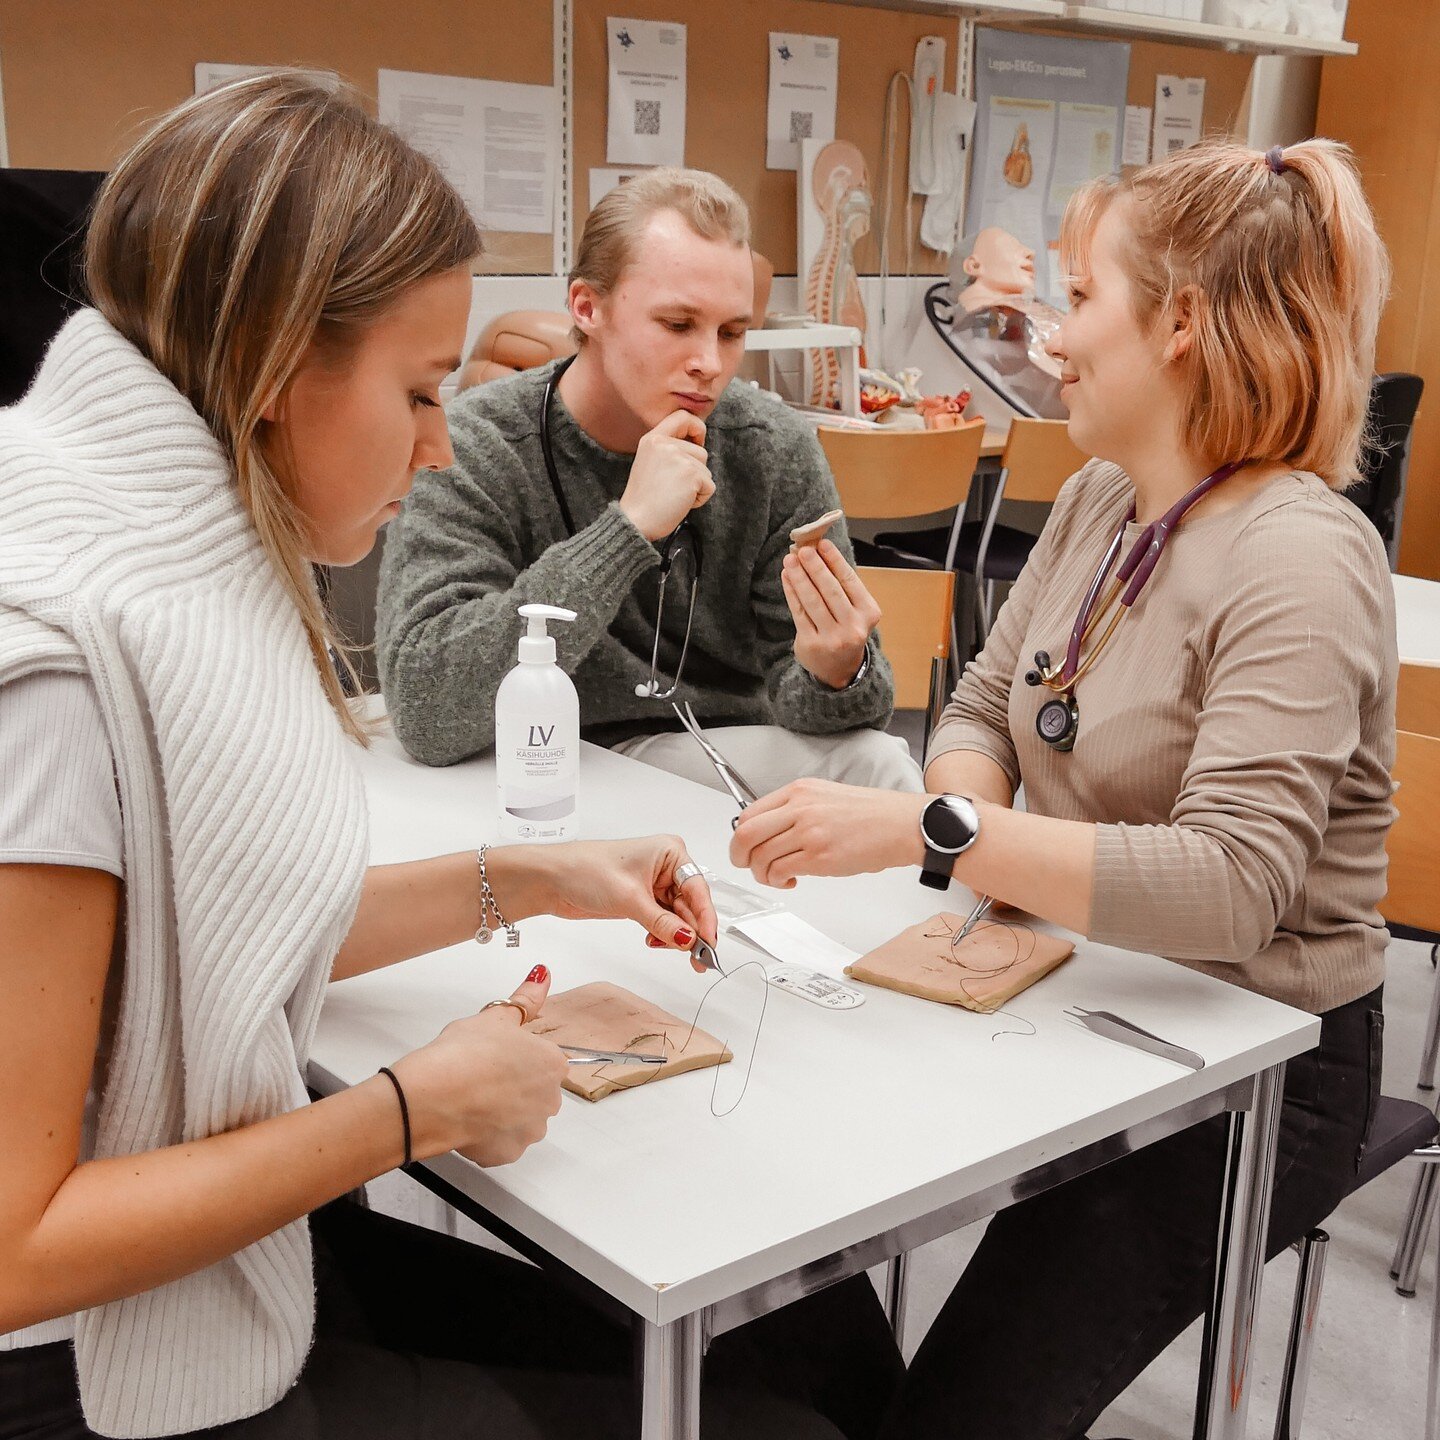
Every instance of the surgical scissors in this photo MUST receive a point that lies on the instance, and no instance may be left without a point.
(740, 789)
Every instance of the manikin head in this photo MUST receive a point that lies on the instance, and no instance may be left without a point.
(1001, 268)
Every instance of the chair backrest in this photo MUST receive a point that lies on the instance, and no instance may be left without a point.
(517, 340)
(1380, 493)
(1413, 896)
(1417, 702)
(1039, 458)
(916, 606)
(894, 474)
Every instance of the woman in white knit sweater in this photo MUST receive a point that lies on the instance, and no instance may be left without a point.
(280, 284)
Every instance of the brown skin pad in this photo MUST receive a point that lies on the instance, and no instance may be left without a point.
(991, 965)
(605, 1017)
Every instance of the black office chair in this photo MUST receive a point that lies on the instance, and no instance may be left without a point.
(42, 237)
(1394, 399)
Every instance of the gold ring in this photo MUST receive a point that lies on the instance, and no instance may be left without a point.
(513, 1004)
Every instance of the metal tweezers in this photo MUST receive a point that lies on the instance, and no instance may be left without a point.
(740, 789)
(582, 1055)
(1112, 1027)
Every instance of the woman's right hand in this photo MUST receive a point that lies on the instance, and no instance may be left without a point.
(484, 1086)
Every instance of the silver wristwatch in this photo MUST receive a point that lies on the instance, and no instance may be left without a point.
(949, 825)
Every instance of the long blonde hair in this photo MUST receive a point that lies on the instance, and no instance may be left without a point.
(245, 225)
(1279, 256)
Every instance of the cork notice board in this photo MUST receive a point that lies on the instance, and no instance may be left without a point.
(74, 100)
(79, 86)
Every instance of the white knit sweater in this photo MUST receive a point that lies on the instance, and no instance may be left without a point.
(126, 553)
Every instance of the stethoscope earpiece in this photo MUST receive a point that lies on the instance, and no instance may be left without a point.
(1041, 673)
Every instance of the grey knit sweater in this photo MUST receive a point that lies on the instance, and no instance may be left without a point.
(474, 542)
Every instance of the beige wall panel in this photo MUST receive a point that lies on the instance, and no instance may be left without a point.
(83, 78)
(1385, 104)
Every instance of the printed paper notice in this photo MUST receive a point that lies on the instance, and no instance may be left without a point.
(804, 80)
(1179, 114)
(1016, 163)
(496, 142)
(604, 180)
(209, 75)
(1084, 149)
(1136, 149)
(647, 93)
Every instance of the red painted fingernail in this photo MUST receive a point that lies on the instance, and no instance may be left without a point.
(653, 943)
(684, 937)
(537, 976)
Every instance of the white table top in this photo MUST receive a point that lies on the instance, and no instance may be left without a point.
(1417, 619)
(803, 337)
(853, 1123)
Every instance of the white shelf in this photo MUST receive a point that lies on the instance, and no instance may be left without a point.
(803, 337)
(1115, 25)
(1119, 24)
(1038, 11)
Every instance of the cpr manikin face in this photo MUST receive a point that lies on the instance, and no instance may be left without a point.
(1001, 271)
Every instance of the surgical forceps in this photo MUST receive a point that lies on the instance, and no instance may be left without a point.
(584, 1055)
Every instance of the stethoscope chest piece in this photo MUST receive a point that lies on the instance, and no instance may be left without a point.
(1057, 722)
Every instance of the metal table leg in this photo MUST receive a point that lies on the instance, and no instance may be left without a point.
(670, 1360)
(1225, 1363)
(897, 1275)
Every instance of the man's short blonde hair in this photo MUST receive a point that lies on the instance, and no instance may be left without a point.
(704, 201)
(1279, 257)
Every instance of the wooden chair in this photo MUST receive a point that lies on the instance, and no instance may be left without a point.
(917, 606)
(1417, 700)
(1039, 458)
(897, 474)
(900, 474)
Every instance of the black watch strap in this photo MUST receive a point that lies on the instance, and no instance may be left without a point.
(937, 870)
(949, 826)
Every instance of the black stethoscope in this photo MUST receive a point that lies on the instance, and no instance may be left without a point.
(1058, 720)
(681, 540)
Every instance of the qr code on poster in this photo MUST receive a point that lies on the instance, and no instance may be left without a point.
(647, 117)
(801, 124)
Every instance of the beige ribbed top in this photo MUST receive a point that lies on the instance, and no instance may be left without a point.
(1236, 736)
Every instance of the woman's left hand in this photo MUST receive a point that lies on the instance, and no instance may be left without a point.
(818, 827)
(633, 880)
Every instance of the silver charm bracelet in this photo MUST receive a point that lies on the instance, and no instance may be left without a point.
(486, 933)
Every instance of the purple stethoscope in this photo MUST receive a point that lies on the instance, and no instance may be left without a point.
(1058, 720)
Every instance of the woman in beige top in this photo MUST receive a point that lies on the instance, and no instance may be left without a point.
(1225, 796)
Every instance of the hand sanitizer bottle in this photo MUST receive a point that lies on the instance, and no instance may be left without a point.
(537, 738)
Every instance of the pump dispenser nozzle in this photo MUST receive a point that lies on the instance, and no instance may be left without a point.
(537, 645)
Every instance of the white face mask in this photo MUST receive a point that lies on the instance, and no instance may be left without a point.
(954, 122)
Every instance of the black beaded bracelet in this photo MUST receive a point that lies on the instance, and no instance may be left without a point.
(389, 1074)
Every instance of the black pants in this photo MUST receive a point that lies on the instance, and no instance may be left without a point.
(1072, 1294)
(421, 1335)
